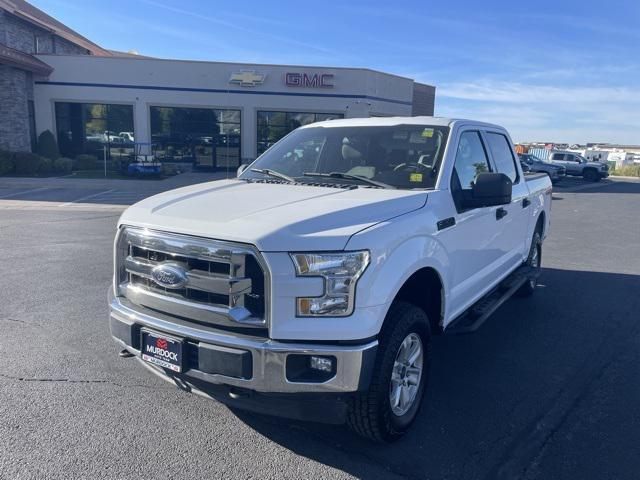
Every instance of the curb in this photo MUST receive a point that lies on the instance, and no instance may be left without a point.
(622, 177)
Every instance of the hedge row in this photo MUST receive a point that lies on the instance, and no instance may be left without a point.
(27, 163)
(46, 160)
(627, 171)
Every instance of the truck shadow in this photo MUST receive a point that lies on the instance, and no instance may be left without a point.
(485, 388)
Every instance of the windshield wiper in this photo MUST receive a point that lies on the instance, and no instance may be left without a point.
(348, 176)
(273, 173)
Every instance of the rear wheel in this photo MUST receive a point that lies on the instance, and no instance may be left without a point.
(387, 410)
(534, 261)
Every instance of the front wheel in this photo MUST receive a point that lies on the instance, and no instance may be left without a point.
(534, 260)
(591, 175)
(387, 410)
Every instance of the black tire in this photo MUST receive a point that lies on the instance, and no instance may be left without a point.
(533, 260)
(370, 412)
(591, 175)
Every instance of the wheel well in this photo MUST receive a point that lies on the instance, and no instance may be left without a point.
(540, 224)
(424, 289)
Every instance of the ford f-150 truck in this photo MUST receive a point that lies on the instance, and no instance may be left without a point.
(311, 285)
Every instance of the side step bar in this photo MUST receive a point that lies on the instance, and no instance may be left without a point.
(476, 315)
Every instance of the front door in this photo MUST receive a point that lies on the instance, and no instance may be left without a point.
(472, 242)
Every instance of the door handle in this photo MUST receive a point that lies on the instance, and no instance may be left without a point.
(525, 202)
(501, 213)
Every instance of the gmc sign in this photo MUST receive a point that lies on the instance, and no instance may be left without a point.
(316, 80)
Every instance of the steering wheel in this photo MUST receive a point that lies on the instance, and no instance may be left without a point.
(419, 165)
(406, 166)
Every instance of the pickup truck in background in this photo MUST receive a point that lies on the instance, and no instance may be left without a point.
(578, 166)
(310, 286)
(537, 165)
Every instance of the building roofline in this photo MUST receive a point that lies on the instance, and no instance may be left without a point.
(115, 56)
(29, 13)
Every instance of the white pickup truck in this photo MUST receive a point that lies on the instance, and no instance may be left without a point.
(311, 285)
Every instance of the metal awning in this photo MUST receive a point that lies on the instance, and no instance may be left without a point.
(16, 58)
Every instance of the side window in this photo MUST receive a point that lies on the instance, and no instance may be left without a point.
(502, 155)
(557, 156)
(471, 159)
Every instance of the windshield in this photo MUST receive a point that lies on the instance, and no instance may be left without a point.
(404, 156)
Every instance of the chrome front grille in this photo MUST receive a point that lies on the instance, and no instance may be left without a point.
(224, 283)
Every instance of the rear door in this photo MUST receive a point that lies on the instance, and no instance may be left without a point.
(573, 164)
(512, 219)
(559, 159)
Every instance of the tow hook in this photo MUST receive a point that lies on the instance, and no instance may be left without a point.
(124, 353)
(236, 393)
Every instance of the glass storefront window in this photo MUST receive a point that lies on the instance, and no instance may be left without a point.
(90, 127)
(272, 126)
(207, 137)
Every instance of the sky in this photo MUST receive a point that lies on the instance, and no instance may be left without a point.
(562, 71)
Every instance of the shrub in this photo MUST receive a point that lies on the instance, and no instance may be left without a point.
(86, 162)
(627, 171)
(6, 162)
(27, 163)
(62, 165)
(47, 165)
(47, 146)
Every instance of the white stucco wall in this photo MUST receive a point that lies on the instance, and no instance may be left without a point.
(145, 82)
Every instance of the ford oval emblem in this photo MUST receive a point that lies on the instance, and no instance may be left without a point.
(169, 275)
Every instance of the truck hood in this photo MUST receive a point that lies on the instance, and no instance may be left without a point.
(273, 217)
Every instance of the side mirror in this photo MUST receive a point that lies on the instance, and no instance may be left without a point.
(489, 189)
(241, 169)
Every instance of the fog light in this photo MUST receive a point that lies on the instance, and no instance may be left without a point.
(303, 368)
(323, 364)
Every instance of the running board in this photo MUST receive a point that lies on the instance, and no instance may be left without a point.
(476, 315)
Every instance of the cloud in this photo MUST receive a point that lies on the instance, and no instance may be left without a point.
(547, 112)
(514, 92)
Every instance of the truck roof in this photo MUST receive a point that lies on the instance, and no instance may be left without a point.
(394, 121)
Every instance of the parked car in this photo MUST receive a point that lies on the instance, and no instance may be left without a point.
(577, 165)
(127, 137)
(311, 285)
(534, 164)
(105, 137)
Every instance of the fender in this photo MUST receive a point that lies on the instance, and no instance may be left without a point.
(395, 258)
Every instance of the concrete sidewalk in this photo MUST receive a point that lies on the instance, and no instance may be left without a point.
(70, 181)
(89, 194)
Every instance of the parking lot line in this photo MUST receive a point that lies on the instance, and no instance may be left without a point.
(88, 197)
(22, 192)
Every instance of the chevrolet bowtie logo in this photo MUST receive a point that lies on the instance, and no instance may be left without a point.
(247, 78)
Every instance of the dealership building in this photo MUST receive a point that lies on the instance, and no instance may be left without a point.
(211, 113)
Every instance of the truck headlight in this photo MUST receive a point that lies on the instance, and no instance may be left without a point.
(340, 272)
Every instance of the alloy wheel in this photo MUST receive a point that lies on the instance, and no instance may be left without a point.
(406, 374)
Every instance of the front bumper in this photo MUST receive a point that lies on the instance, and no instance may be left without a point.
(267, 358)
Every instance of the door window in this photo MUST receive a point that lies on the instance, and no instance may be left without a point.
(502, 155)
(471, 160)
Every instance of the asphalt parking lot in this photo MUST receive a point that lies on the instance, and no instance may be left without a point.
(548, 388)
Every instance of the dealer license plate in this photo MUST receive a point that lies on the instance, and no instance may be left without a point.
(161, 350)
